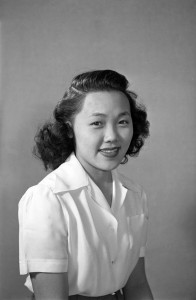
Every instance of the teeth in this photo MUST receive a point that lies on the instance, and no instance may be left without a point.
(109, 151)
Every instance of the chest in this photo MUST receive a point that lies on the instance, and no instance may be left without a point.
(89, 220)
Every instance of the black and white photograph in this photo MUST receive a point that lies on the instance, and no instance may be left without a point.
(97, 150)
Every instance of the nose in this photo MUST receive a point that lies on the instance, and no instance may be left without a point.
(111, 134)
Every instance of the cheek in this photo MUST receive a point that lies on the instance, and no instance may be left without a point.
(81, 140)
(86, 138)
(130, 136)
(79, 137)
(130, 133)
(127, 136)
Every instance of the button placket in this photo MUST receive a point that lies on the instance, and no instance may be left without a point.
(109, 231)
(113, 240)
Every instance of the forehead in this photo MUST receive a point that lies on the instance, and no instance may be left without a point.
(105, 102)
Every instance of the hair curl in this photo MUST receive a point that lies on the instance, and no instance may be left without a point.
(54, 142)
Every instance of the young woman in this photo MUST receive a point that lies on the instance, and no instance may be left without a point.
(83, 227)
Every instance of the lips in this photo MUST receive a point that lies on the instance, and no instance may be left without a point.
(110, 152)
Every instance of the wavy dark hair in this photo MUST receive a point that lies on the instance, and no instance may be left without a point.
(55, 142)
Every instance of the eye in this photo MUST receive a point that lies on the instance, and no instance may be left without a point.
(123, 122)
(97, 124)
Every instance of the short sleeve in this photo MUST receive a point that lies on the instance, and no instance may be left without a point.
(145, 224)
(42, 232)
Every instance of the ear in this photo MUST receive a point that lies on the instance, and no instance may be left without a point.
(70, 129)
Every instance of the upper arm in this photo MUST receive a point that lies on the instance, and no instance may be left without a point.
(138, 276)
(42, 232)
(137, 286)
(50, 286)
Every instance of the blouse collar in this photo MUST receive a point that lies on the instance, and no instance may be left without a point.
(71, 176)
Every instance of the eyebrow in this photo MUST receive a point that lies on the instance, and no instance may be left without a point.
(125, 113)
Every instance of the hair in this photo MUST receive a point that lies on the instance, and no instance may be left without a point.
(55, 141)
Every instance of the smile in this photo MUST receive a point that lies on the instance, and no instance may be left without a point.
(110, 152)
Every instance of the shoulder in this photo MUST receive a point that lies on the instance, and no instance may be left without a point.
(44, 188)
(40, 208)
(136, 196)
(40, 196)
(130, 184)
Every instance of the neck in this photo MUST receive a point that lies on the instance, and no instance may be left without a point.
(104, 181)
(101, 178)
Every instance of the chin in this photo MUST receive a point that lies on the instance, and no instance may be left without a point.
(109, 166)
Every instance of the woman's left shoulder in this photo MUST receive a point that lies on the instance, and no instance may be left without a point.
(136, 195)
(131, 185)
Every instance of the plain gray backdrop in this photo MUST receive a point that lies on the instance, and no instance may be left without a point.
(44, 43)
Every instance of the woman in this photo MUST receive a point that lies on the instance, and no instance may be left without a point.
(83, 227)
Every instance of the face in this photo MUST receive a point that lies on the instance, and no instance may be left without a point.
(103, 131)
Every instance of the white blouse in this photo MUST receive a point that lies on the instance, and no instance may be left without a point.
(67, 225)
